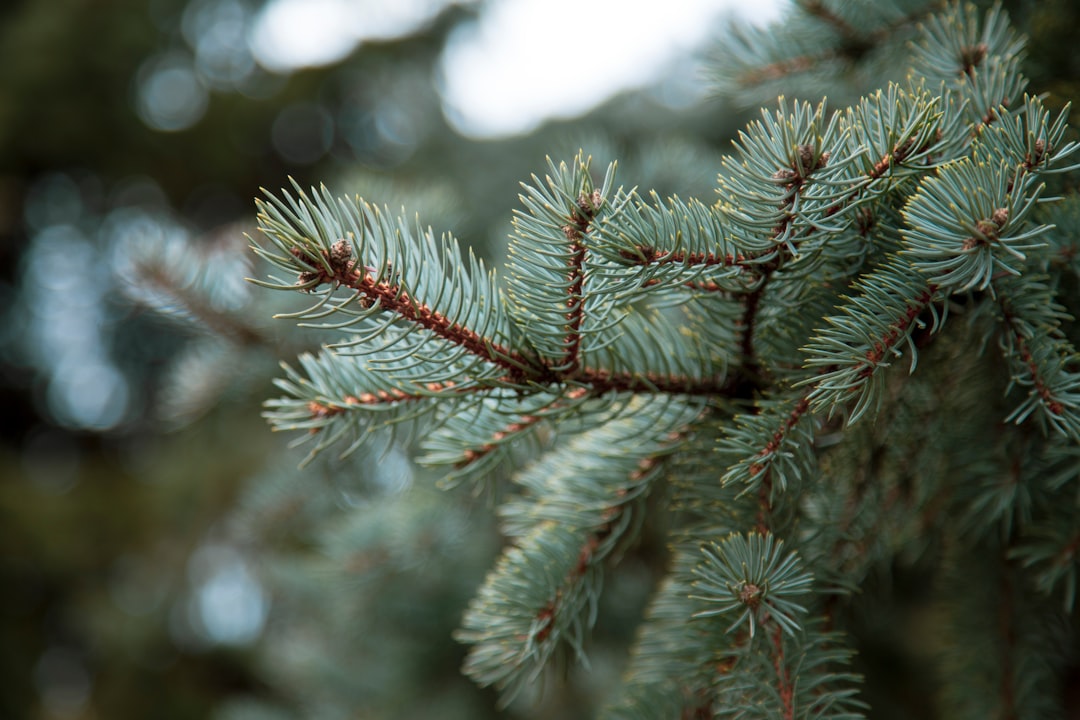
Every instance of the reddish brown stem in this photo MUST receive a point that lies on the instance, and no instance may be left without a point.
(782, 68)
(395, 299)
(647, 255)
(521, 424)
(221, 324)
(757, 468)
(750, 365)
(587, 554)
(852, 46)
(784, 688)
(575, 303)
(896, 331)
(818, 10)
(1027, 357)
(546, 614)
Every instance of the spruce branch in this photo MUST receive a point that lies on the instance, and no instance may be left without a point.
(670, 672)
(684, 244)
(791, 673)
(552, 296)
(541, 598)
(393, 298)
(802, 678)
(968, 223)
(397, 277)
(730, 348)
(873, 328)
(814, 38)
(1040, 357)
(977, 58)
(750, 575)
(779, 159)
(896, 134)
(767, 449)
(193, 283)
(447, 342)
(955, 44)
(1031, 141)
(826, 178)
(1049, 552)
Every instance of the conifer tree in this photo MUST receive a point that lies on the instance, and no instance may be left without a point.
(858, 356)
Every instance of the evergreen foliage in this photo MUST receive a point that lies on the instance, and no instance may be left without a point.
(860, 355)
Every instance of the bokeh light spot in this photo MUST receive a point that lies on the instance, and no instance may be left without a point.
(91, 395)
(230, 605)
(169, 95)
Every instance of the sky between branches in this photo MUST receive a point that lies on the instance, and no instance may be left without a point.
(523, 61)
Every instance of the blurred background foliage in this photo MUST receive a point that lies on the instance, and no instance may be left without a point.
(160, 556)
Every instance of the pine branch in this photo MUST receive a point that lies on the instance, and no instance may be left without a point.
(670, 671)
(815, 38)
(575, 231)
(1041, 358)
(199, 312)
(860, 343)
(1019, 657)
(821, 11)
(393, 298)
(541, 597)
(552, 299)
(751, 367)
(731, 348)
(195, 284)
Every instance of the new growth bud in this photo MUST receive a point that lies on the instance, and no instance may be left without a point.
(340, 255)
